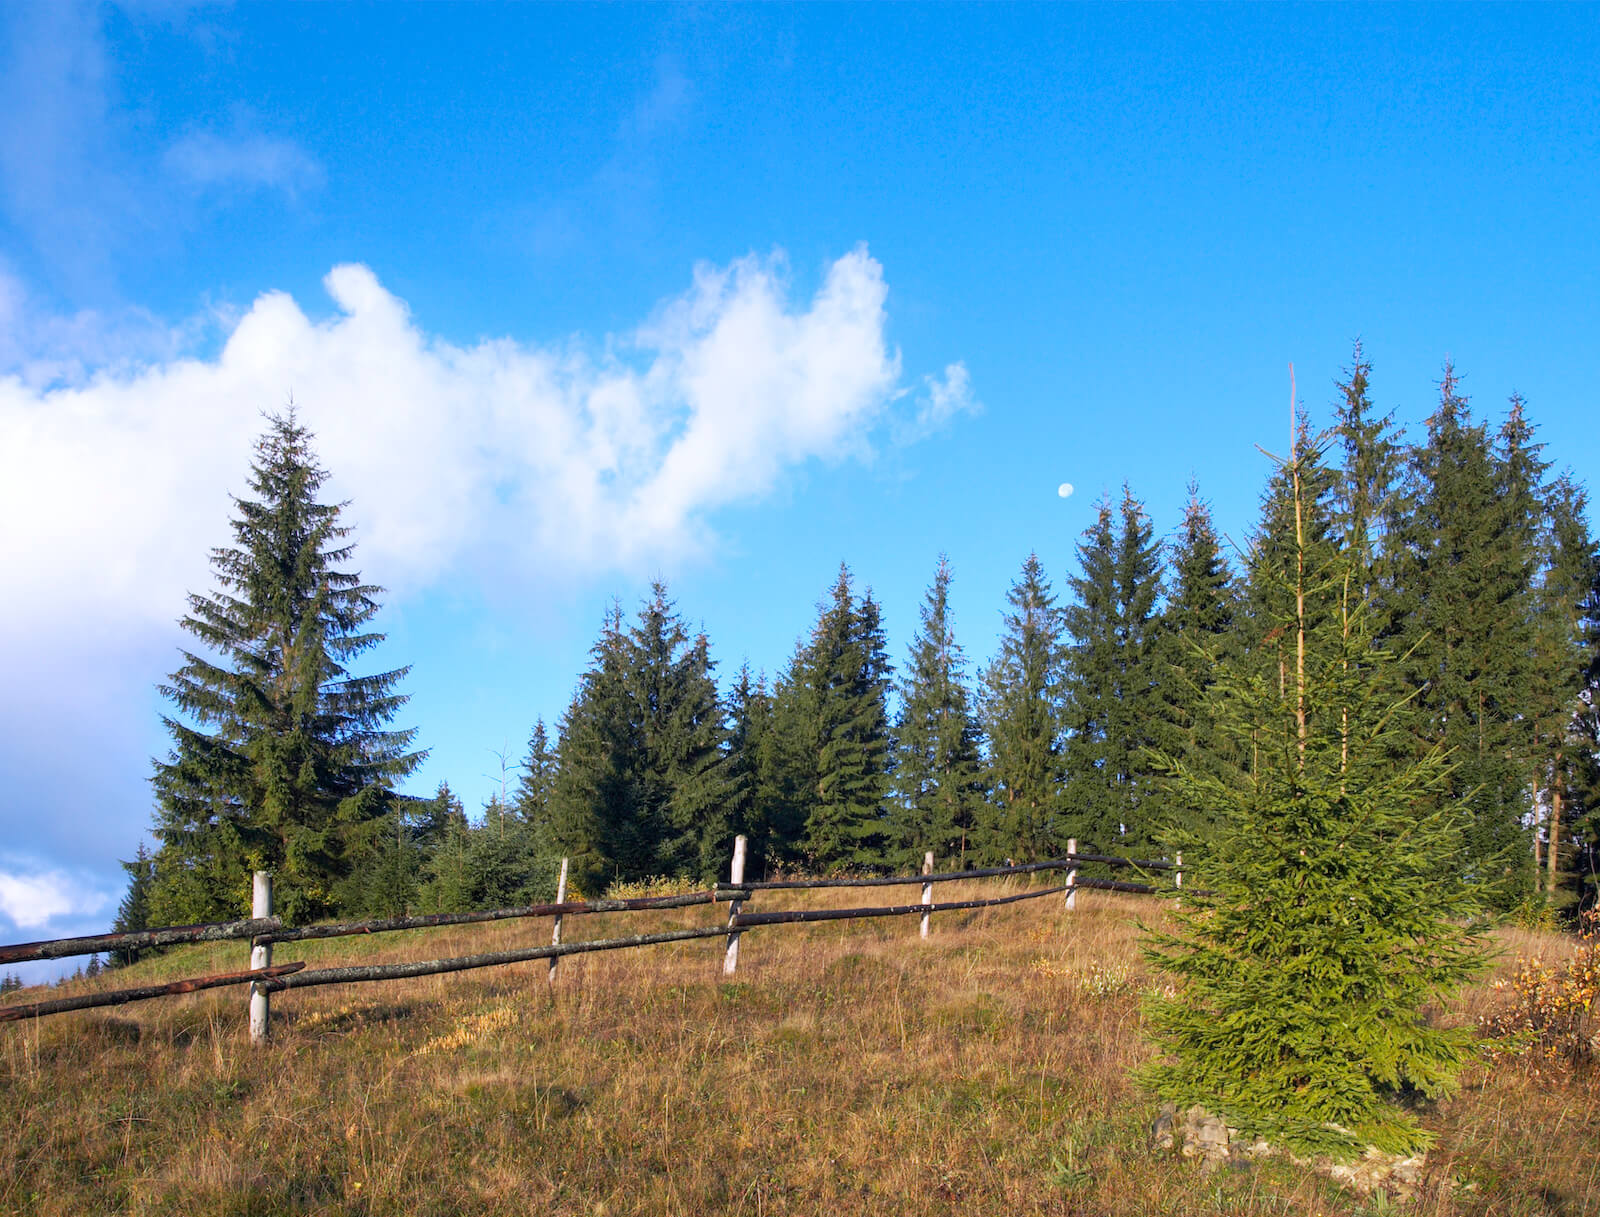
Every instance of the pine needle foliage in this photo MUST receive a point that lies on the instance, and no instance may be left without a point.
(1022, 721)
(281, 755)
(938, 768)
(1309, 968)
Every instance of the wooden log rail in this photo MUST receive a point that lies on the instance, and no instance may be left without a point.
(492, 959)
(343, 929)
(1067, 862)
(119, 997)
(137, 940)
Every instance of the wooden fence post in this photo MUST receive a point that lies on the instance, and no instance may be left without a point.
(730, 961)
(1177, 880)
(555, 934)
(927, 890)
(260, 957)
(1072, 876)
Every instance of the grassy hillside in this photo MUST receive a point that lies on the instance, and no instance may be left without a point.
(850, 1068)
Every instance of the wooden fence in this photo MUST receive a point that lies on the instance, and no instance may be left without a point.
(265, 930)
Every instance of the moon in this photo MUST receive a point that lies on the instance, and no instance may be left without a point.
(1065, 490)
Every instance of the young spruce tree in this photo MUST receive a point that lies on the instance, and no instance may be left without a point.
(281, 754)
(1307, 963)
(1022, 720)
(938, 779)
(847, 674)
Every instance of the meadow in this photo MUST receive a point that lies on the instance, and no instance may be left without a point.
(848, 1068)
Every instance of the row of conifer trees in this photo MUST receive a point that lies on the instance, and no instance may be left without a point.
(1474, 563)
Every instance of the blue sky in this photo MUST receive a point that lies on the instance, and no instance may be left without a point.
(576, 297)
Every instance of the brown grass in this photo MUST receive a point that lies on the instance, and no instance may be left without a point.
(850, 1068)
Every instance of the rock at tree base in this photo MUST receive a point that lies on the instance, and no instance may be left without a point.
(1200, 1134)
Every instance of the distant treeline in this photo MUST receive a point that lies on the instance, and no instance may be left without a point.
(1472, 556)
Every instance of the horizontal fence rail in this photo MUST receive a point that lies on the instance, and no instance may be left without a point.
(1066, 862)
(119, 997)
(344, 929)
(264, 930)
(138, 940)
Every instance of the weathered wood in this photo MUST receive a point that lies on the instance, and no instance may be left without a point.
(385, 925)
(260, 958)
(118, 997)
(1069, 862)
(466, 963)
(790, 916)
(555, 930)
(730, 958)
(136, 940)
(1117, 885)
(927, 890)
(1072, 878)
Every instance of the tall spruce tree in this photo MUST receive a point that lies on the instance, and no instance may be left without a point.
(938, 768)
(847, 673)
(133, 913)
(1022, 722)
(1111, 705)
(683, 791)
(1194, 642)
(1470, 564)
(785, 756)
(281, 753)
(594, 812)
(1370, 504)
(1307, 964)
(1569, 572)
(536, 781)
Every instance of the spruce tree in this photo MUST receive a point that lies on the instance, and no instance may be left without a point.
(595, 816)
(938, 780)
(785, 753)
(1111, 704)
(682, 801)
(1569, 573)
(1370, 505)
(1194, 642)
(536, 781)
(1471, 559)
(281, 753)
(1309, 961)
(1022, 722)
(847, 672)
(134, 911)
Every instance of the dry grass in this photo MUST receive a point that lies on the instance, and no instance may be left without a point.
(849, 1069)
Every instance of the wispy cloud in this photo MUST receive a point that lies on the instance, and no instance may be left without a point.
(242, 159)
(30, 899)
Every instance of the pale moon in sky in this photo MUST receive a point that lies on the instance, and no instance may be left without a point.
(1065, 490)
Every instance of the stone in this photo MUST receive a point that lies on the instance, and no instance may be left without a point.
(1163, 1133)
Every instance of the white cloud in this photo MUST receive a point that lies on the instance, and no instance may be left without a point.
(940, 400)
(30, 900)
(549, 460)
(244, 159)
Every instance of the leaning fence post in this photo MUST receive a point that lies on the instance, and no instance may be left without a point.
(555, 934)
(1072, 875)
(927, 891)
(260, 957)
(730, 961)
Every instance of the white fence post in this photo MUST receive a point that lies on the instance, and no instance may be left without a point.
(555, 934)
(260, 957)
(730, 961)
(927, 891)
(1072, 876)
(1177, 880)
